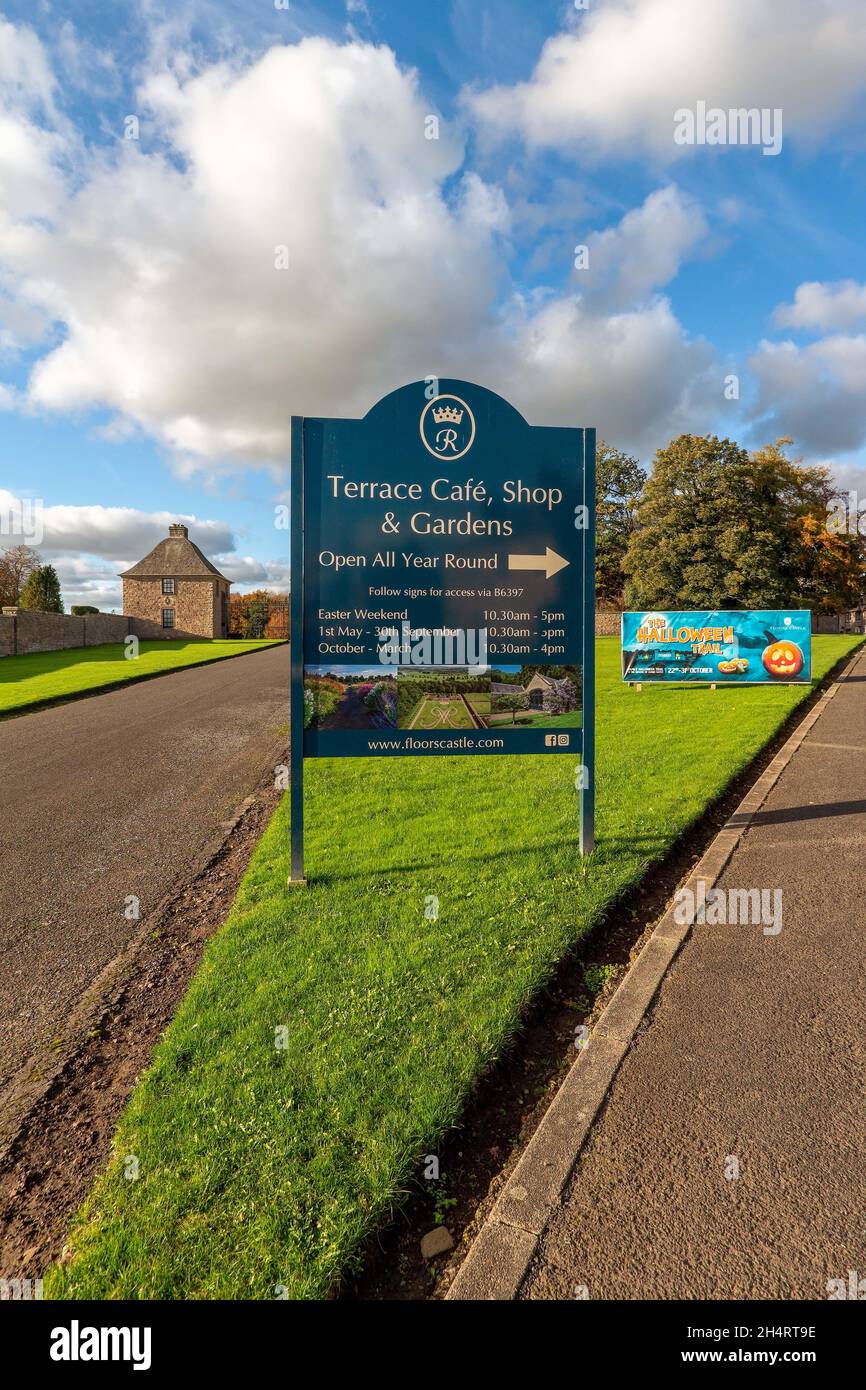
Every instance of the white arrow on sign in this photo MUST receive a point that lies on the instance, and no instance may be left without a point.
(550, 562)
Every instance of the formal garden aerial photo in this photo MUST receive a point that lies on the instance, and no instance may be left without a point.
(436, 697)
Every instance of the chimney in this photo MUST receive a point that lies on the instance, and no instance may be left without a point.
(178, 530)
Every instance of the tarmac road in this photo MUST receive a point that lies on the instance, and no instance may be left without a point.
(116, 795)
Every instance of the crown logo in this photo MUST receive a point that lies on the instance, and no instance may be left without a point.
(447, 415)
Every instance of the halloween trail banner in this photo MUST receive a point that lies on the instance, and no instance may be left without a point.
(745, 647)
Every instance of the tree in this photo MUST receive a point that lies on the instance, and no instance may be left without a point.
(832, 568)
(505, 704)
(16, 564)
(678, 554)
(556, 673)
(619, 481)
(42, 591)
(561, 698)
(720, 528)
(784, 508)
(237, 615)
(278, 616)
(268, 612)
(258, 611)
(80, 610)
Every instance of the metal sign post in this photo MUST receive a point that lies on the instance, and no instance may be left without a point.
(296, 710)
(587, 791)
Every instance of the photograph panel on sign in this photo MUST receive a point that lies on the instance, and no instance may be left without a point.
(350, 697)
(541, 697)
(443, 697)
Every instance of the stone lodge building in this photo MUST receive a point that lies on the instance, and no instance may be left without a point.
(177, 586)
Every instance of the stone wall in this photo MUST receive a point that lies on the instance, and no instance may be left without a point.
(23, 631)
(221, 608)
(104, 627)
(7, 636)
(44, 632)
(850, 622)
(195, 603)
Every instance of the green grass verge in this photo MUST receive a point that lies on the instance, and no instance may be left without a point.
(573, 720)
(261, 1167)
(43, 677)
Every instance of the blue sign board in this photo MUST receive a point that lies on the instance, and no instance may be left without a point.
(747, 647)
(442, 582)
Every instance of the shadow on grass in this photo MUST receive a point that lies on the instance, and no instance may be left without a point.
(26, 665)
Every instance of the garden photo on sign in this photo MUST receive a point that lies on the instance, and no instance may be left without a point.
(535, 697)
(350, 697)
(443, 697)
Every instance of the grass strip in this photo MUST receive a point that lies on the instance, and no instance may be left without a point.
(42, 678)
(265, 1158)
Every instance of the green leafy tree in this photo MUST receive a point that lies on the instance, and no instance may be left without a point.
(258, 613)
(42, 591)
(721, 528)
(80, 610)
(511, 704)
(619, 482)
(678, 553)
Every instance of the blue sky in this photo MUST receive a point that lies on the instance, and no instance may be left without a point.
(151, 354)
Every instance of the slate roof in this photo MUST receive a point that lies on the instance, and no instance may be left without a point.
(176, 557)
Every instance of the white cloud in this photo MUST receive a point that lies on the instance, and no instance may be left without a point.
(613, 83)
(165, 278)
(159, 271)
(815, 393)
(121, 534)
(636, 375)
(26, 78)
(247, 573)
(851, 478)
(34, 139)
(645, 250)
(85, 64)
(90, 545)
(824, 306)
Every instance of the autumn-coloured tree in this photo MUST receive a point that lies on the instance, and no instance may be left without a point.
(16, 564)
(259, 614)
(832, 568)
(278, 617)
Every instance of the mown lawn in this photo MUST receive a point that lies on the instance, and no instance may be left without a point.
(263, 1166)
(47, 676)
(523, 720)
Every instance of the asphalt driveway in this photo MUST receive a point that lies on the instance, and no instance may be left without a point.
(110, 797)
